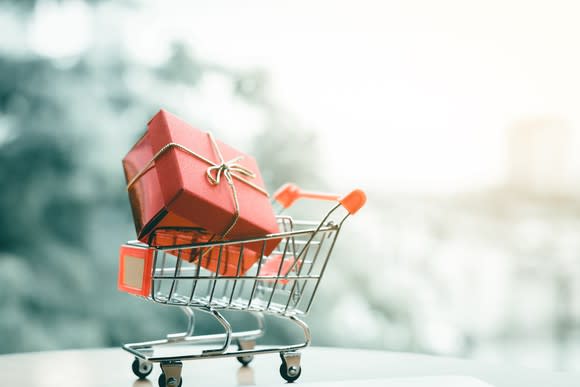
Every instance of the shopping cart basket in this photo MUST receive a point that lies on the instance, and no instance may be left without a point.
(282, 284)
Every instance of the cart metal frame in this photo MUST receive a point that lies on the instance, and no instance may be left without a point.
(282, 284)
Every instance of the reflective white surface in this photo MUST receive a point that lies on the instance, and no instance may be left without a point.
(320, 367)
(426, 381)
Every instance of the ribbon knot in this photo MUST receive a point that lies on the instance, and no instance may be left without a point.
(215, 172)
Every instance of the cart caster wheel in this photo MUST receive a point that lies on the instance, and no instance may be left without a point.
(246, 345)
(290, 369)
(169, 383)
(141, 368)
(290, 374)
(170, 374)
(245, 360)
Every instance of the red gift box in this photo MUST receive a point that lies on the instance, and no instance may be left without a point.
(179, 177)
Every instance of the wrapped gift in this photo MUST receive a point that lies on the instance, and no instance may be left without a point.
(179, 177)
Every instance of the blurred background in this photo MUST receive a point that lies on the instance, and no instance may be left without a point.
(459, 119)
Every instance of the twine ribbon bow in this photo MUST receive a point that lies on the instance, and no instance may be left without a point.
(229, 169)
(225, 167)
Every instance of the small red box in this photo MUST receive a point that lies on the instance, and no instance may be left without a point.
(231, 255)
(175, 191)
(274, 267)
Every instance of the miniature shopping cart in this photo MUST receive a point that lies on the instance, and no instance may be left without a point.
(282, 284)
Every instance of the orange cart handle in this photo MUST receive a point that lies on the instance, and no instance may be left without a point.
(289, 193)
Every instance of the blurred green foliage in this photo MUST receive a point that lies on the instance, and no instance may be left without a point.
(64, 127)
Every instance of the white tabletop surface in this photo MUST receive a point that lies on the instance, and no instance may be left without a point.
(320, 367)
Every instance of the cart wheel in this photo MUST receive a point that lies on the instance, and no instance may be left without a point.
(245, 360)
(246, 345)
(141, 368)
(290, 374)
(170, 374)
(170, 383)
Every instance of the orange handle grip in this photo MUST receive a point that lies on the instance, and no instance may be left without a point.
(289, 193)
